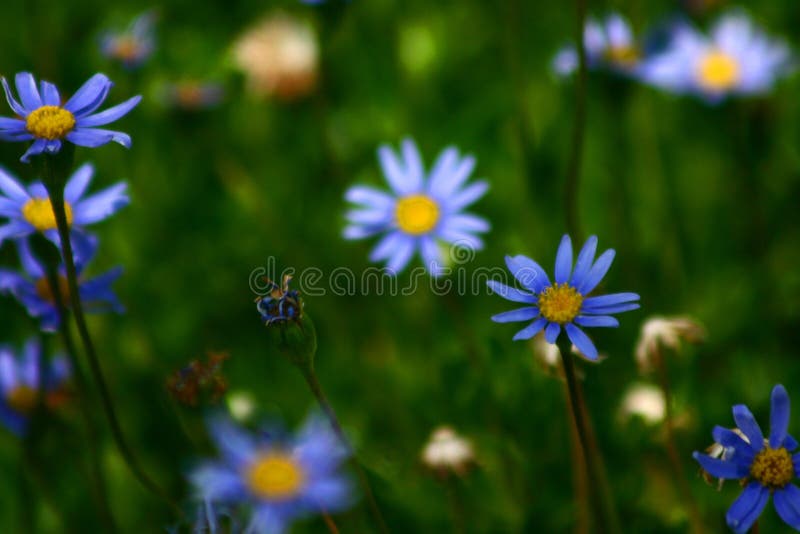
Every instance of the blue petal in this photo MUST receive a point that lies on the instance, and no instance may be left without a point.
(8, 371)
(467, 196)
(267, 519)
(520, 314)
(15, 230)
(531, 330)
(584, 261)
(779, 417)
(370, 197)
(468, 223)
(529, 273)
(94, 137)
(747, 424)
(402, 255)
(98, 290)
(29, 262)
(36, 148)
(12, 126)
(747, 507)
(616, 308)
(109, 115)
(597, 272)
(605, 301)
(431, 255)
(78, 183)
(596, 321)
(330, 494)
(395, 175)
(731, 440)
(27, 91)
(787, 504)
(50, 96)
(218, 483)
(551, 332)
(564, 260)
(442, 172)
(510, 293)
(15, 106)
(360, 232)
(386, 246)
(582, 341)
(721, 468)
(237, 446)
(90, 95)
(445, 181)
(415, 172)
(11, 187)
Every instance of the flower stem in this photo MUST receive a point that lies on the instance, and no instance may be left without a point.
(96, 474)
(330, 523)
(695, 521)
(316, 389)
(578, 131)
(55, 189)
(606, 518)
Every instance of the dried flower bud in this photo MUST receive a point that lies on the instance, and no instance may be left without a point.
(198, 380)
(658, 332)
(447, 452)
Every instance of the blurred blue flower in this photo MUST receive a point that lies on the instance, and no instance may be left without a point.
(767, 467)
(281, 304)
(33, 290)
(280, 480)
(30, 211)
(19, 384)
(134, 45)
(421, 211)
(192, 95)
(43, 119)
(609, 44)
(565, 303)
(208, 518)
(736, 59)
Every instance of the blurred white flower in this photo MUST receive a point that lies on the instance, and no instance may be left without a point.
(447, 451)
(658, 332)
(279, 56)
(241, 405)
(645, 401)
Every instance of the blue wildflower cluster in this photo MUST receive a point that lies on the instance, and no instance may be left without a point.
(734, 58)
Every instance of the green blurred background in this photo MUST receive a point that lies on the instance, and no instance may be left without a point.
(701, 204)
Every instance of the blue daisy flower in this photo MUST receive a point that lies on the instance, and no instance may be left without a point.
(134, 45)
(420, 212)
(19, 384)
(736, 59)
(43, 119)
(766, 467)
(566, 302)
(30, 211)
(32, 289)
(609, 43)
(278, 480)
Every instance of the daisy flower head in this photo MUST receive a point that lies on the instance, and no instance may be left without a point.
(20, 377)
(134, 45)
(43, 119)
(32, 289)
(610, 44)
(277, 480)
(281, 304)
(422, 210)
(29, 209)
(765, 466)
(736, 58)
(565, 302)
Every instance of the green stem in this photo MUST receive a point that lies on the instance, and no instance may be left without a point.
(55, 189)
(606, 518)
(695, 521)
(316, 390)
(578, 132)
(96, 476)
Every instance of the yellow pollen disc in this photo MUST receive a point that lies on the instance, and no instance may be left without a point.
(22, 399)
(45, 292)
(275, 476)
(417, 214)
(624, 56)
(773, 468)
(50, 122)
(718, 71)
(560, 303)
(39, 213)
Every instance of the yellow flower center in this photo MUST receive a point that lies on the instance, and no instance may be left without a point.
(560, 303)
(773, 468)
(624, 56)
(22, 399)
(718, 71)
(39, 213)
(50, 122)
(45, 292)
(417, 214)
(275, 476)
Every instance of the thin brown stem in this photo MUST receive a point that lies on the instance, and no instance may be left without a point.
(330, 523)
(322, 400)
(695, 520)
